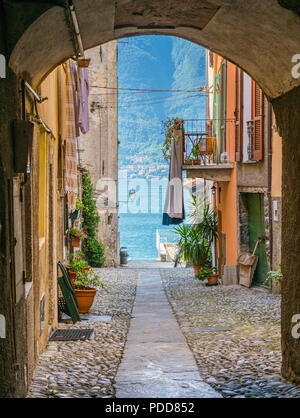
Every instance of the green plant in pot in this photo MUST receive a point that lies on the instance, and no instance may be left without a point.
(86, 284)
(194, 247)
(77, 265)
(196, 239)
(274, 280)
(188, 160)
(209, 274)
(195, 153)
(76, 236)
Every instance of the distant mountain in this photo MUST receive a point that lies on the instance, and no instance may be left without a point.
(157, 63)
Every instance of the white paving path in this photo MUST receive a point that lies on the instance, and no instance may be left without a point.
(157, 361)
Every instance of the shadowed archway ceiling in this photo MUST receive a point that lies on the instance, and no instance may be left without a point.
(259, 36)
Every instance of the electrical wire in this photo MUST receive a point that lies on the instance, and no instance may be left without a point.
(149, 101)
(142, 103)
(191, 90)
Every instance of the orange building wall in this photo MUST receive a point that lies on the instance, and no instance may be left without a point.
(227, 203)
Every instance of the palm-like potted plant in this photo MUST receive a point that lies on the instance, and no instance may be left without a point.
(194, 247)
(196, 239)
(85, 287)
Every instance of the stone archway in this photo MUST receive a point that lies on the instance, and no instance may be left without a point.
(260, 37)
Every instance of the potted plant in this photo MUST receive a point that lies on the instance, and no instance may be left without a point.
(209, 274)
(195, 153)
(274, 279)
(76, 236)
(188, 161)
(85, 287)
(196, 239)
(194, 247)
(77, 266)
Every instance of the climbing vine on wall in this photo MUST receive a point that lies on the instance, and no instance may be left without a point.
(168, 128)
(93, 248)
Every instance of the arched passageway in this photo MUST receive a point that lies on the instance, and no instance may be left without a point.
(263, 38)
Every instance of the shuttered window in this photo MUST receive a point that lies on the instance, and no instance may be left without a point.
(258, 122)
(238, 114)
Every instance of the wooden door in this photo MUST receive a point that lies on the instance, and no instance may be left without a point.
(256, 219)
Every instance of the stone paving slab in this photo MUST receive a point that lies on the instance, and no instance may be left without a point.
(157, 361)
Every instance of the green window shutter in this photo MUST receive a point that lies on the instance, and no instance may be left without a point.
(223, 106)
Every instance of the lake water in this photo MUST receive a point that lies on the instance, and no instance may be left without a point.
(140, 218)
(138, 234)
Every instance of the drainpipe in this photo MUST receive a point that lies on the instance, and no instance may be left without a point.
(270, 151)
(76, 28)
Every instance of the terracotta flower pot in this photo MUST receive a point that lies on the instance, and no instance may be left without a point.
(197, 269)
(75, 242)
(85, 298)
(213, 279)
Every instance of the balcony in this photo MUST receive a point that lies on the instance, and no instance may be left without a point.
(208, 148)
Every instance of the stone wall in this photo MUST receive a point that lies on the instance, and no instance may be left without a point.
(99, 146)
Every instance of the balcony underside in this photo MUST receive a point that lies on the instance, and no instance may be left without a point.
(218, 172)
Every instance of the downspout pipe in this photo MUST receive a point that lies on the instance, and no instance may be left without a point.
(76, 28)
(270, 152)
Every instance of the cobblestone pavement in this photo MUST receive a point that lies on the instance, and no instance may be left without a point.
(88, 368)
(234, 334)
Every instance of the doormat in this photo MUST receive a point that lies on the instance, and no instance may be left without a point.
(71, 335)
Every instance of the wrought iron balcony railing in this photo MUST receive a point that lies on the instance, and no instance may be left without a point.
(208, 142)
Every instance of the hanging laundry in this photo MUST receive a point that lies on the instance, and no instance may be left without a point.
(83, 117)
(81, 98)
(174, 206)
(76, 99)
(70, 167)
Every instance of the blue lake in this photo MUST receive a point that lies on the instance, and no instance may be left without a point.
(138, 234)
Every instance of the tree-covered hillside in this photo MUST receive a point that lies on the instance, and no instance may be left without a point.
(156, 63)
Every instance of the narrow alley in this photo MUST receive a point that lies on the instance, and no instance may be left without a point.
(149, 199)
(195, 349)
